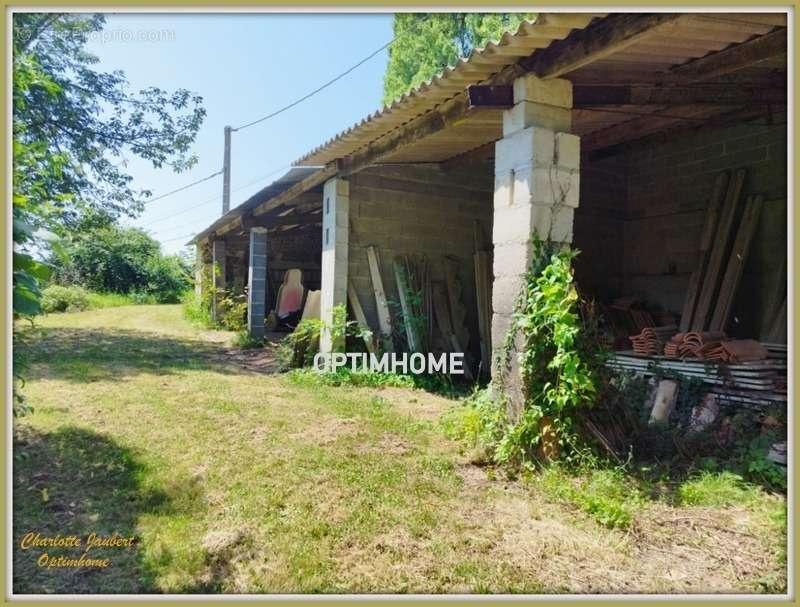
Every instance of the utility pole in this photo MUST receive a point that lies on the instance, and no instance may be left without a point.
(226, 173)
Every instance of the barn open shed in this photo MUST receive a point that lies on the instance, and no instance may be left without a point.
(656, 143)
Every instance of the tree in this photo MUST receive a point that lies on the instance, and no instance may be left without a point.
(122, 260)
(74, 128)
(426, 43)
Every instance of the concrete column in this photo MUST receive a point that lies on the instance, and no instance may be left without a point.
(199, 269)
(535, 192)
(218, 260)
(257, 282)
(335, 243)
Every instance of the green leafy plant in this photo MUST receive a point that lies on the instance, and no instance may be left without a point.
(233, 307)
(299, 347)
(245, 341)
(56, 298)
(557, 378)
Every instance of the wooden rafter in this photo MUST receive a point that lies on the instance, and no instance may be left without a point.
(722, 94)
(597, 41)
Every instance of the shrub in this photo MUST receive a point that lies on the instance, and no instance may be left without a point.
(234, 312)
(123, 260)
(167, 278)
(56, 298)
(245, 341)
(299, 347)
(108, 300)
(196, 309)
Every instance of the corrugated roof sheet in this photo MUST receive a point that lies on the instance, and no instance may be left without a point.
(283, 183)
(478, 67)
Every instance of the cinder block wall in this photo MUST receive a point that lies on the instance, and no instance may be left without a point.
(599, 224)
(416, 210)
(642, 212)
(669, 185)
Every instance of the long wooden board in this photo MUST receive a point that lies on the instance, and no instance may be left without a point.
(738, 257)
(382, 304)
(484, 307)
(360, 318)
(401, 278)
(722, 241)
(695, 281)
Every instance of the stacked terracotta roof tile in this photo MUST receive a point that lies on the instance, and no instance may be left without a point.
(651, 340)
(734, 351)
(714, 345)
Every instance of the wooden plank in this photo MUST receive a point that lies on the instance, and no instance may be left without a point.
(732, 59)
(597, 41)
(382, 304)
(484, 307)
(738, 257)
(712, 216)
(296, 190)
(487, 96)
(358, 311)
(722, 94)
(458, 313)
(439, 296)
(412, 337)
(721, 245)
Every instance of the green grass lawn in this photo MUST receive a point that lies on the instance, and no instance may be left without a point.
(236, 480)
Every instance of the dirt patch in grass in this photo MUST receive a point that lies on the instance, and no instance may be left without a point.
(326, 430)
(415, 403)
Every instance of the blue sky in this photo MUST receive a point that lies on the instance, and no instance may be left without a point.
(244, 66)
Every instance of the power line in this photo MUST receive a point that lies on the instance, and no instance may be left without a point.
(186, 187)
(315, 91)
(215, 198)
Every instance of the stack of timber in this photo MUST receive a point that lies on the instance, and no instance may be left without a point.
(724, 246)
(652, 339)
(414, 291)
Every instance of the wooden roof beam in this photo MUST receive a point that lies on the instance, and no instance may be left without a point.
(587, 96)
(732, 59)
(302, 186)
(597, 41)
(434, 121)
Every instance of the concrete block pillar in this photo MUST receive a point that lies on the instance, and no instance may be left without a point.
(218, 261)
(200, 269)
(335, 244)
(257, 283)
(536, 192)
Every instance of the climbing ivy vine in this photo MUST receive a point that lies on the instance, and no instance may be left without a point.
(545, 333)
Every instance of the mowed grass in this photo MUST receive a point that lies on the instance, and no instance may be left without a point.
(237, 481)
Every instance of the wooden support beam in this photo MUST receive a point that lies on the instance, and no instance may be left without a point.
(732, 59)
(474, 156)
(500, 97)
(597, 41)
(448, 114)
(636, 128)
(723, 94)
(249, 221)
(308, 183)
